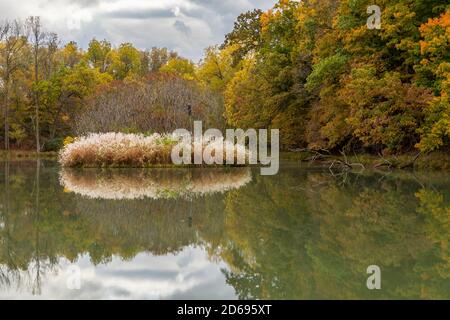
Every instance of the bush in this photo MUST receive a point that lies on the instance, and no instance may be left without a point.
(53, 145)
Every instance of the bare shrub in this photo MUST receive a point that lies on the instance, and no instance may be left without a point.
(161, 103)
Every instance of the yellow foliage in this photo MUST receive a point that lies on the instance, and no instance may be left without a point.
(68, 140)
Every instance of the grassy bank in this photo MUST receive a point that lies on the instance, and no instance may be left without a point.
(430, 161)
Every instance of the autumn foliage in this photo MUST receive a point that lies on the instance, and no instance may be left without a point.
(312, 69)
(329, 82)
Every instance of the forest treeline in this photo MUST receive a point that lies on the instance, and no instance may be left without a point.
(312, 69)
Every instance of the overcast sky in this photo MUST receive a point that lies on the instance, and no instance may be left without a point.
(187, 26)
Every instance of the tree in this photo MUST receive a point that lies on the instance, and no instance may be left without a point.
(124, 62)
(435, 51)
(66, 93)
(216, 69)
(12, 55)
(70, 55)
(37, 39)
(145, 63)
(246, 98)
(246, 35)
(49, 60)
(97, 54)
(269, 90)
(384, 112)
(159, 57)
(181, 67)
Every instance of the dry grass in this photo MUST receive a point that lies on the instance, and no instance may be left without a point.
(122, 184)
(116, 149)
(127, 150)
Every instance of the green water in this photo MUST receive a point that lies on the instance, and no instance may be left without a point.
(222, 233)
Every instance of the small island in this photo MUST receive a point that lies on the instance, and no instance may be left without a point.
(119, 150)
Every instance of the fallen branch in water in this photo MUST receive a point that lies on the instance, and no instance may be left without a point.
(397, 164)
(385, 162)
(317, 154)
(412, 162)
(345, 163)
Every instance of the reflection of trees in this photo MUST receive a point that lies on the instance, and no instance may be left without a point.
(42, 223)
(126, 228)
(20, 251)
(318, 242)
(25, 238)
(436, 213)
(302, 234)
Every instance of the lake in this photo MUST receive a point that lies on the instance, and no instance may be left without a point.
(306, 233)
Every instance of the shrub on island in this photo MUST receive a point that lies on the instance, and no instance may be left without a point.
(130, 150)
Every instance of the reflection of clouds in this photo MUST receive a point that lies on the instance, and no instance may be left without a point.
(187, 274)
(154, 184)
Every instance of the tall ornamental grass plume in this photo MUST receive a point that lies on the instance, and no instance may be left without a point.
(117, 150)
(122, 150)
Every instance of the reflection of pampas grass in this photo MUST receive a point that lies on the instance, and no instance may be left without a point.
(154, 184)
(128, 150)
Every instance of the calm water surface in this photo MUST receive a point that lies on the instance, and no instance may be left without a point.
(222, 233)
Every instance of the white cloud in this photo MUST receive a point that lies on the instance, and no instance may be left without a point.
(187, 274)
(185, 25)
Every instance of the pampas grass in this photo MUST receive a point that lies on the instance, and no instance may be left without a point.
(156, 184)
(128, 150)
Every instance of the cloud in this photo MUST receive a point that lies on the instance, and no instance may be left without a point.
(139, 14)
(187, 26)
(189, 274)
(182, 27)
(80, 3)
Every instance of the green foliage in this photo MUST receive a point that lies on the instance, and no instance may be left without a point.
(97, 54)
(125, 62)
(327, 71)
(53, 144)
(436, 130)
(246, 35)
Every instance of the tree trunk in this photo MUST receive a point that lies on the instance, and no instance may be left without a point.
(6, 114)
(36, 97)
(37, 284)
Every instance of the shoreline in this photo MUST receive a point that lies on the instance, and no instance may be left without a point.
(408, 161)
(27, 155)
(431, 161)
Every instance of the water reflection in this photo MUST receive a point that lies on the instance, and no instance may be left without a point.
(300, 235)
(156, 184)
